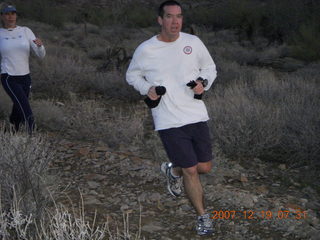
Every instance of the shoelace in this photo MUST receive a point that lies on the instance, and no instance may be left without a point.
(206, 221)
(176, 182)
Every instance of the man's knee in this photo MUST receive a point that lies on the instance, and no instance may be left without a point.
(191, 171)
(204, 167)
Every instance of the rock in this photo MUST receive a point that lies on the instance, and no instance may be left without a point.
(114, 187)
(282, 167)
(91, 200)
(186, 208)
(152, 227)
(60, 104)
(124, 207)
(315, 234)
(286, 64)
(154, 197)
(67, 168)
(313, 205)
(102, 149)
(304, 201)
(243, 178)
(93, 185)
(93, 192)
(83, 151)
(291, 228)
(262, 189)
(142, 197)
(94, 176)
(293, 207)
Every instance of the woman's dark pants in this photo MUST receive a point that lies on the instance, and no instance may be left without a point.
(18, 88)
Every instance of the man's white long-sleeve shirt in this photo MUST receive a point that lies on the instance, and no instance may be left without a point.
(15, 50)
(173, 65)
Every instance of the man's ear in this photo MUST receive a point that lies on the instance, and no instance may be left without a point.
(160, 20)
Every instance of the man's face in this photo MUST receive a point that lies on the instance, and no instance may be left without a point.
(171, 22)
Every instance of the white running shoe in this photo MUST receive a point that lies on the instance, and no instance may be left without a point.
(174, 184)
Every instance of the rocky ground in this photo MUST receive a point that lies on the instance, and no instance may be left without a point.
(259, 201)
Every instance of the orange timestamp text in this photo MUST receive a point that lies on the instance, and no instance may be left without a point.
(250, 214)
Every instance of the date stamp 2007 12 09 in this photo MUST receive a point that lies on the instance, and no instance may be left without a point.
(250, 214)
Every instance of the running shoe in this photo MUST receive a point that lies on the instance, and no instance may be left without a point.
(174, 184)
(204, 225)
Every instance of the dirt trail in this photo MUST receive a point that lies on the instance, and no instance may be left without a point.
(248, 203)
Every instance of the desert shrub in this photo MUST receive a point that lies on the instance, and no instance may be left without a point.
(112, 58)
(139, 15)
(5, 106)
(111, 84)
(301, 130)
(43, 11)
(275, 20)
(49, 115)
(273, 119)
(230, 73)
(23, 169)
(61, 72)
(60, 223)
(237, 53)
(93, 14)
(66, 70)
(310, 71)
(243, 15)
(123, 12)
(97, 53)
(243, 123)
(92, 120)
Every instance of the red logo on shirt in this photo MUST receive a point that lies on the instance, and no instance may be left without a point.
(187, 50)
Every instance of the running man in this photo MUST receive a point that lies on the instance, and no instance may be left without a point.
(172, 59)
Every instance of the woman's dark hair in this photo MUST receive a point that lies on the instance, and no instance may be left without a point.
(167, 3)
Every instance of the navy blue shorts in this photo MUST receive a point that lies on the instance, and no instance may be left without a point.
(188, 145)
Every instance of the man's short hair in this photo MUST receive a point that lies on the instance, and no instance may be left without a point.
(167, 3)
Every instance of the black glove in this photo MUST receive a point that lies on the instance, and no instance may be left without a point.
(160, 90)
(193, 83)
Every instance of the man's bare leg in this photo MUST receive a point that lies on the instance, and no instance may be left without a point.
(193, 185)
(202, 167)
(193, 188)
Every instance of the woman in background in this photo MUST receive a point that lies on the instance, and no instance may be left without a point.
(15, 44)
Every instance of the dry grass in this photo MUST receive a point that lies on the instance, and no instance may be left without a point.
(50, 115)
(24, 164)
(93, 120)
(59, 223)
(27, 208)
(5, 106)
(248, 105)
(62, 71)
(271, 118)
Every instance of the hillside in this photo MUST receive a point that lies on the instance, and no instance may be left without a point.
(95, 140)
